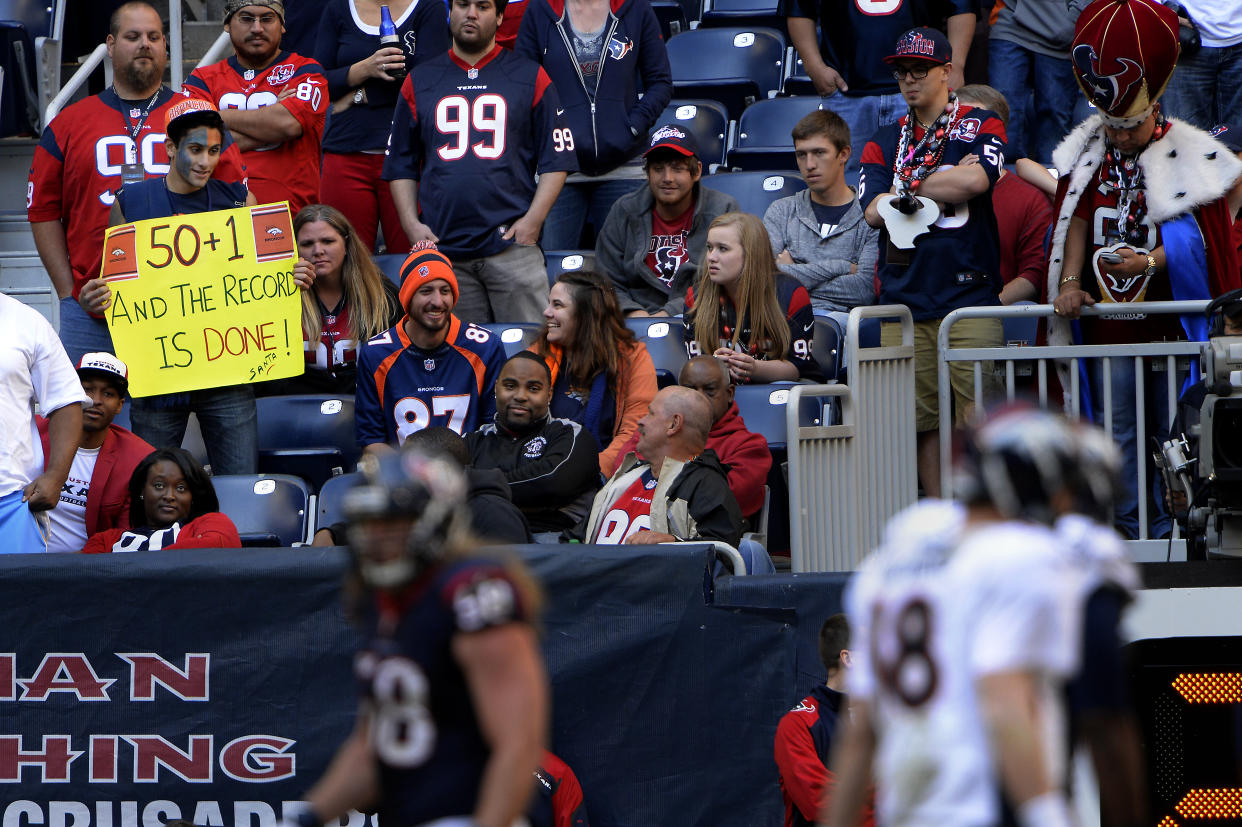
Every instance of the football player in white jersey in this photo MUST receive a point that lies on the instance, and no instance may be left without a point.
(1100, 712)
(962, 646)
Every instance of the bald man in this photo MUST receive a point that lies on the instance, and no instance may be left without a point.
(744, 454)
(677, 492)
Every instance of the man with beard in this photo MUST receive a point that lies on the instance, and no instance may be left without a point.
(471, 129)
(431, 368)
(273, 101)
(87, 152)
(551, 464)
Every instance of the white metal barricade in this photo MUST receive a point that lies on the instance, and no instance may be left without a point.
(1005, 358)
(847, 479)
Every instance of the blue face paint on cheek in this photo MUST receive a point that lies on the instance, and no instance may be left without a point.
(184, 161)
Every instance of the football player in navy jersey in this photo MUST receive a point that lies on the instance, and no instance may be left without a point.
(471, 129)
(431, 368)
(454, 694)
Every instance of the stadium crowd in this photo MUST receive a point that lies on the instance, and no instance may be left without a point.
(460, 141)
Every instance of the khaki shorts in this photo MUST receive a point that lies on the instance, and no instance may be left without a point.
(967, 333)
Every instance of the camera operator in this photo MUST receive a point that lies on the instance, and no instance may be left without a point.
(1178, 459)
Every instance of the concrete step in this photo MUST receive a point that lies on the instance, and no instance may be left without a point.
(23, 277)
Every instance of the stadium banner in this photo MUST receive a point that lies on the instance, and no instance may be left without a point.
(205, 300)
(215, 686)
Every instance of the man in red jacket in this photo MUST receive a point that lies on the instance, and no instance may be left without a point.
(743, 453)
(804, 735)
(96, 494)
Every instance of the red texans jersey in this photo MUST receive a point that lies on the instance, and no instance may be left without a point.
(630, 514)
(335, 346)
(1098, 207)
(76, 169)
(286, 171)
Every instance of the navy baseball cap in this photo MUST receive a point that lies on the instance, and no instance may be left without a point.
(1230, 135)
(671, 136)
(925, 44)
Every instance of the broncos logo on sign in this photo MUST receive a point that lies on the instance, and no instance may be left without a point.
(1104, 90)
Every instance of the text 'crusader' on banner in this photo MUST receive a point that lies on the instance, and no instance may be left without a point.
(205, 300)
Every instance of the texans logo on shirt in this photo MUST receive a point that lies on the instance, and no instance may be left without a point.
(967, 129)
(619, 47)
(280, 74)
(670, 254)
(1123, 289)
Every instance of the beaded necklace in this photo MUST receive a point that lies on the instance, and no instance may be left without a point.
(915, 161)
(1121, 172)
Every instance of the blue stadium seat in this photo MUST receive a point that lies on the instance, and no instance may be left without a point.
(797, 81)
(762, 407)
(672, 17)
(515, 336)
(735, 66)
(309, 436)
(755, 191)
(707, 121)
(747, 13)
(763, 133)
(390, 266)
(664, 338)
(268, 509)
(35, 16)
(331, 507)
(192, 442)
(826, 347)
(564, 261)
(1020, 331)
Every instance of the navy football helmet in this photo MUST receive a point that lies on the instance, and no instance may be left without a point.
(405, 516)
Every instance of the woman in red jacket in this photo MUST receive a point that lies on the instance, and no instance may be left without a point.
(172, 505)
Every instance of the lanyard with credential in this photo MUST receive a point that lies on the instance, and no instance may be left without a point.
(132, 171)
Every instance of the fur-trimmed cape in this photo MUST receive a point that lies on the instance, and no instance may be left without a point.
(1185, 170)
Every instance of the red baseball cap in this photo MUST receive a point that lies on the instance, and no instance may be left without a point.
(671, 136)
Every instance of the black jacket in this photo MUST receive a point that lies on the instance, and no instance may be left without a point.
(552, 469)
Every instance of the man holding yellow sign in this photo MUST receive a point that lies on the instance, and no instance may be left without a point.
(202, 307)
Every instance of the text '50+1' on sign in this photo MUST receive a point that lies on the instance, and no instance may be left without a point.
(205, 300)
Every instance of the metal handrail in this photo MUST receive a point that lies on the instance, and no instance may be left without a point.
(216, 52)
(1042, 353)
(93, 60)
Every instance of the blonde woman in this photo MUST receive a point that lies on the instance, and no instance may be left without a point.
(744, 311)
(350, 302)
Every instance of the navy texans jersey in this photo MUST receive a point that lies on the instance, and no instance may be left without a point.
(799, 315)
(403, 388)
(424, 730)
(956, 263)
(474, 137)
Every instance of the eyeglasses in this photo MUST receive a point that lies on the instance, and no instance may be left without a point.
(916, 74)
(263, 19)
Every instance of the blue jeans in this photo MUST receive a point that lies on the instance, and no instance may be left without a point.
(579, 203)
(1017, 73)
(81, 333)
(864, 115)
(1125, 433)
(1206, 89)
(227, 417)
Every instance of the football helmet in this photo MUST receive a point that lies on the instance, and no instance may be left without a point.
(405, 516)
(1018, 459)
(1096, 481)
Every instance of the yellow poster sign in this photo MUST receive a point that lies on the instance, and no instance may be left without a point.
(205, 300)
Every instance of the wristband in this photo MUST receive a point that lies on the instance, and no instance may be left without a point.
(1048, 810)
(1067, 279)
